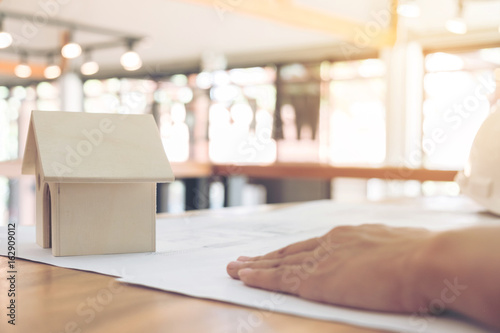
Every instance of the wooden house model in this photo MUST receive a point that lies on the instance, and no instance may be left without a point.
(96, 178)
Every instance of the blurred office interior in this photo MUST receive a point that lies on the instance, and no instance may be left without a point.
(260, 101)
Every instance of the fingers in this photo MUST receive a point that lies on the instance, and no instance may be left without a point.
(299, 259)
(280, 279)
(303, 246)
(235, 266)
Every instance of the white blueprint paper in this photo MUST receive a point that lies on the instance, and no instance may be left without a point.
(192, 254)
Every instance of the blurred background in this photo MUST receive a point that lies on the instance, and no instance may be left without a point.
(262, 101)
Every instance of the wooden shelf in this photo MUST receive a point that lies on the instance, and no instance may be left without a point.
(181, 170)
(324, 171)
(191, 169)
(10, 169)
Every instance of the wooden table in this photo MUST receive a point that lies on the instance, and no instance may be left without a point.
(53, 299)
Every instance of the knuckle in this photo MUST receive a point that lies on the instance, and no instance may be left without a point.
(343, 229)
(271, 263)
(283, 252)
(283, 278)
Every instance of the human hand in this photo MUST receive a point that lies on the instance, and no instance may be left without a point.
(369, 266)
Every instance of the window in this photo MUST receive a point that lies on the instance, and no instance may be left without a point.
(457, 88)
(241, 114)
(48, 96)
(128, 96)
(173, 97)
(357, 112)
(4, 200)
(301, 101)
(11, 106)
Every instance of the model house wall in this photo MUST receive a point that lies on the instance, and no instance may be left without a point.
(96, 178)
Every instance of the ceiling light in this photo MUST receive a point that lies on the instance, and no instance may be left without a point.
(89, 67)
(409, 9)
(23, 70)
(5, 37)
(71, 50)
(130, 60)
(52, 70)
(457, 24)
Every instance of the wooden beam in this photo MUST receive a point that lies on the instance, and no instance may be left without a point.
(303, 17)
(391, 34)
(65, 38)
(7, 68)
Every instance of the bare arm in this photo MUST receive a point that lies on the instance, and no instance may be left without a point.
(388, 269)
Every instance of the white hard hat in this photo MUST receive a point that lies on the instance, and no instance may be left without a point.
(480, 178)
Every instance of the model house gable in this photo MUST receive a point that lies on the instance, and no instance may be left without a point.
(95, 147)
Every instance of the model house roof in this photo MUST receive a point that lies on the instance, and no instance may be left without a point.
(75, 147)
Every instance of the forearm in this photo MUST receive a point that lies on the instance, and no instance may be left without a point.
(460, 271)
